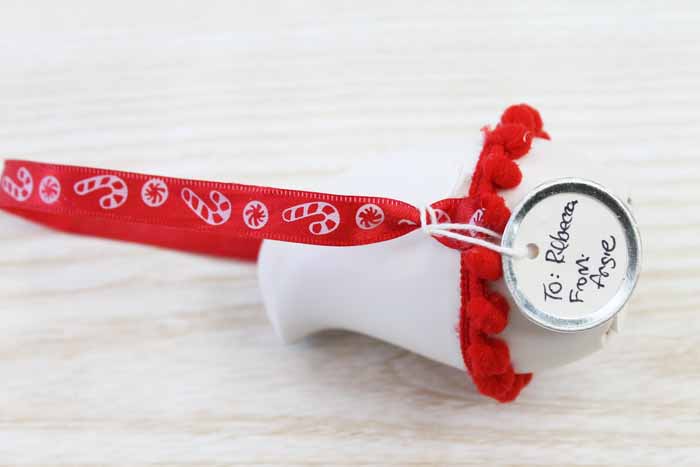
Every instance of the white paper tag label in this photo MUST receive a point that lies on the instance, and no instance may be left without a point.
(588, 255)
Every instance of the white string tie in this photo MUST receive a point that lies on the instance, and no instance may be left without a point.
(451, 230)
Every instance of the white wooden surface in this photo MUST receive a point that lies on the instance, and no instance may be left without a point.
(118, 354)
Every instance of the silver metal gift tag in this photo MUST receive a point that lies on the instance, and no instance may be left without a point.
(586, 255)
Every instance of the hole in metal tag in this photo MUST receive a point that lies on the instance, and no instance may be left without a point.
(587, 255)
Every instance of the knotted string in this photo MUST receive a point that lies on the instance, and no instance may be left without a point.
(450, 230)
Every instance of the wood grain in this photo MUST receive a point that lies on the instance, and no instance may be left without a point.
(115, 354)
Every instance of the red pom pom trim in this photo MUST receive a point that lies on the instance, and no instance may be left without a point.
(484, 313)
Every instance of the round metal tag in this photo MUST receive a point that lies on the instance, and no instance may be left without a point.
(586, 255)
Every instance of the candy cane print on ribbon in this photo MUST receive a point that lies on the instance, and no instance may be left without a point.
(442, 217)
(19, 191)
(118, 191)
(218, 215)
(329, 222)
(476, 219)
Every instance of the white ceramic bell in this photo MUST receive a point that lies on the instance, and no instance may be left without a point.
(406, 291)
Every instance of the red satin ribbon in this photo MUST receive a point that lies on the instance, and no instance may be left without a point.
(223, 219)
